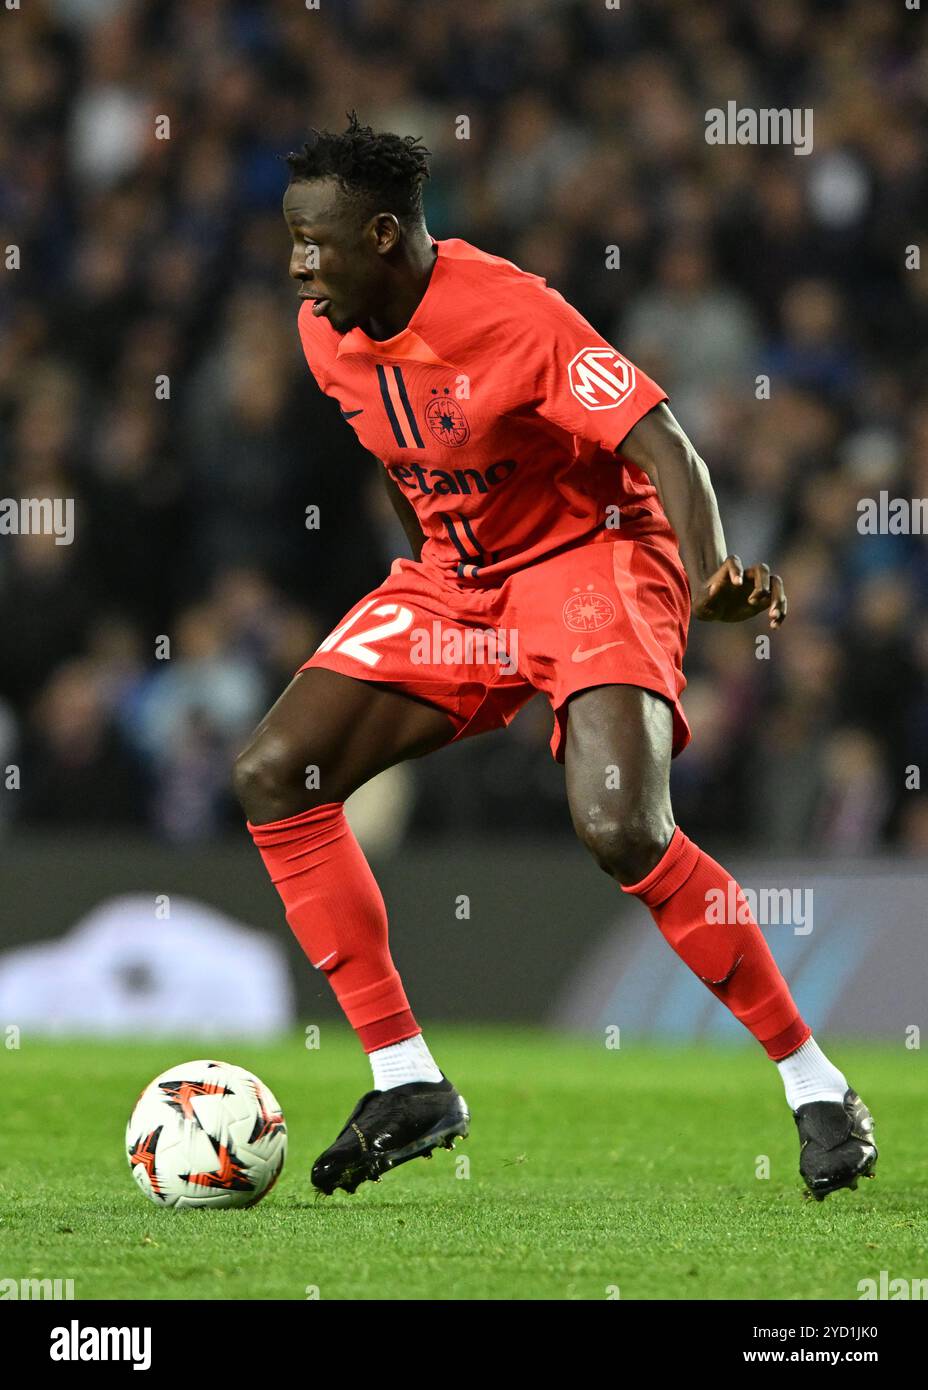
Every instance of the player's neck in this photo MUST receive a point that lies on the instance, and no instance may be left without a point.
(410, 282)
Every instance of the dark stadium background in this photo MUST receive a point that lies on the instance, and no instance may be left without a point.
(142, 257)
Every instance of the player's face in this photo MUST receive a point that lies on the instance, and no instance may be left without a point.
(337, 260)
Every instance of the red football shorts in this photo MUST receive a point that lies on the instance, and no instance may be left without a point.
(609, 613)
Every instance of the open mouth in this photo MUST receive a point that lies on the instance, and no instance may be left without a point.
(320, 302)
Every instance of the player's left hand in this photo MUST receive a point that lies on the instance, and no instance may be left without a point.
(734, 594)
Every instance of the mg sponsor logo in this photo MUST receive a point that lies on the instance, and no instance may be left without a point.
(600, 378)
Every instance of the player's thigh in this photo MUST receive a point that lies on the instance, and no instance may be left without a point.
(617, 764)
(327, 735)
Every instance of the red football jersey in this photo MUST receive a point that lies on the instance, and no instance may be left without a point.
(498, 411)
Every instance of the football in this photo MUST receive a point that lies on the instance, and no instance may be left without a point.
(206, 1134)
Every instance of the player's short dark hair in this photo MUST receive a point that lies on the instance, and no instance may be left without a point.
(382, 172)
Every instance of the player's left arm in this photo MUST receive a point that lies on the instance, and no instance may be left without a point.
(722, 589)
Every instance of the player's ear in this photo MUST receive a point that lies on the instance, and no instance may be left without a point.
(385, 229)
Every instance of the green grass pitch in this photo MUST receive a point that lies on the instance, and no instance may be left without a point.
(589, 1174)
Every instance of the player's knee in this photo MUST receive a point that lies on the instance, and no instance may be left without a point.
(626, 849)
(269, 780)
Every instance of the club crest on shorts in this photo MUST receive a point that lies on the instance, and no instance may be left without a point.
(447, 421)
(600, 378)
(587, 611)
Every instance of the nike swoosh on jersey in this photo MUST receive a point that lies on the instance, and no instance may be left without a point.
(579, 655)
(350, 414)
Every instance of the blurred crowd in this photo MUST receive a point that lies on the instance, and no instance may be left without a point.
(150, 369)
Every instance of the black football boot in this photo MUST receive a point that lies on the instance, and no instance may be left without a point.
(387, 1128)
(836, 1144)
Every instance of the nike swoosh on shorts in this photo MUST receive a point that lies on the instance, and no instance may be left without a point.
(579, 655)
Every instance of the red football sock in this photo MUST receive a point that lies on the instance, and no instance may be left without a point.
(337, 914)
(732, 958)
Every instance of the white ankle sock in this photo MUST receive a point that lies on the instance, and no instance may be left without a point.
(409, 1060)
(808, 1075)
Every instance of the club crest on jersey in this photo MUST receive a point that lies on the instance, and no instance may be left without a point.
(587, 611)
(600, 378)
(447, 421)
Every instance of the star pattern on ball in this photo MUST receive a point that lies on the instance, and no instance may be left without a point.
(267, 1122)
(228, 1174)
(142, 1155)
(179, 1095)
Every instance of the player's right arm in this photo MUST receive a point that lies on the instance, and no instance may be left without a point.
(407, 515)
